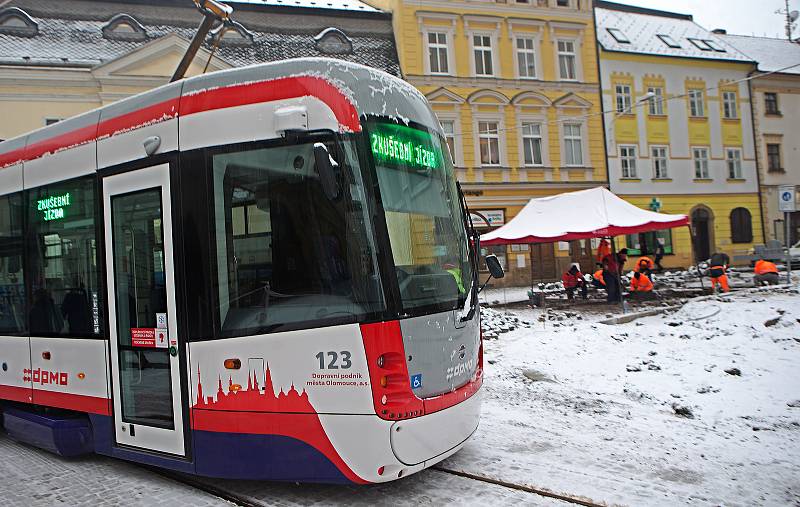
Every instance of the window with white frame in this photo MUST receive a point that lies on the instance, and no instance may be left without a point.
(730, 106)
(449, 127)
(656, 100)
(482, 48)
(623, 93)
(489, 141)
(658, 154)
(573, 144)
(697, 107)
(437, 53)
(566, 59)
(733, 159)
(532, 143)
(526, 57)
(627, 159)
(700, 156)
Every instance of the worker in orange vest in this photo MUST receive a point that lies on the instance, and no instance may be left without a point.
(603, 249)
(645, 267)
(719, 266)
(597, 279)
(766, 273)
(640, 283)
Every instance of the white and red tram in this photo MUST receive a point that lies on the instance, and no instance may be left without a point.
(261, 273)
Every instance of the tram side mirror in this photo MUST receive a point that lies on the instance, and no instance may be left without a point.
(326, 167)
(495, 269)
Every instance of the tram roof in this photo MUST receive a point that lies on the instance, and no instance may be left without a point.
(366, 90)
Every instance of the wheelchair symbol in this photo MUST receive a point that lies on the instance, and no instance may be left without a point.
(416, 381)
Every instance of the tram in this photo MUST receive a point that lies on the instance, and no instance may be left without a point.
(260, 273)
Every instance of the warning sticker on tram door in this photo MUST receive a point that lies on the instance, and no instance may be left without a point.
(143, 337)
(161, 338)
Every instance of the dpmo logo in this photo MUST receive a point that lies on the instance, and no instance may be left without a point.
(43, 377)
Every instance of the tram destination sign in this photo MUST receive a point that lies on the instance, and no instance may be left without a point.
(54, 207)
(398, 145)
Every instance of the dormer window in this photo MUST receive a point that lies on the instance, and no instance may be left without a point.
(618, 35)
(15, 21)
(124, 27)
(669, 41)
(700, 44)
(234, 34)
(333, 41)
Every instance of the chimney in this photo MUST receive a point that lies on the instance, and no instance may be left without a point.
(719, 31)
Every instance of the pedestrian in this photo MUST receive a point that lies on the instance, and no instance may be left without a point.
(659, 253)
(613, 265)
(719, 266)
(603, 249)
(597, 279)
(573, 279)
(766, 273)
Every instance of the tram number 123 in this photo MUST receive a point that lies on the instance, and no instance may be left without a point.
(336, 361)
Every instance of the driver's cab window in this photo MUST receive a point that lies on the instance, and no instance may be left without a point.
(289, 251)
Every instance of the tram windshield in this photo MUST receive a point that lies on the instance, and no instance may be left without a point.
(423, 216)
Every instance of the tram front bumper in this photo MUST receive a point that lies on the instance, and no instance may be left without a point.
(425, 438)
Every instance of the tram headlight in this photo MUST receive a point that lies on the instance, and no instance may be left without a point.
(384, 399)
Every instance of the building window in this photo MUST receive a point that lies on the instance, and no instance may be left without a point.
(700, 44)
(566, 59)
(774, 158)
(741, 226)
(730, 107)
(624, 103)
(713, 45)
(437, 53)
(646, 243)
(771, 103)
(51, 121)
(482, 46)
(62, 241)
(700, 156)
(627, 158)
(489, 140)
(659, 156)
(573, 144)
(733, 159)
(696, 105)
(656, 101)
(618, 35)
(669, 41)
(532, 143)
(450, 137)
(562, 3)
(526, 57)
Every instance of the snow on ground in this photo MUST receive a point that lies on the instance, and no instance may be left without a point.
(593, 410)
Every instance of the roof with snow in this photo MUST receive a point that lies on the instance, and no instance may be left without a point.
(345, 5)
(71, 33)
(771, 54)
(622, 28)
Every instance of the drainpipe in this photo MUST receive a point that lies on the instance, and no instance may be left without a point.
(756, 147)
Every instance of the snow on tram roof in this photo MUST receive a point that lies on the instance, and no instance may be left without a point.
(343, 5)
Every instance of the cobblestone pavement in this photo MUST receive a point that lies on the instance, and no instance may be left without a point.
(33, 477)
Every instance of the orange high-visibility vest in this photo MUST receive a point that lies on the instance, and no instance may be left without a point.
(603, 249)
(598, 275)
(643, 284)
(763, 267)
(644, 263)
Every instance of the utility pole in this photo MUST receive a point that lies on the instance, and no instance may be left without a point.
(212, 11)
(791, 17)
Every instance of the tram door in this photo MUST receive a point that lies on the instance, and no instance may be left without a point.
(145, 359)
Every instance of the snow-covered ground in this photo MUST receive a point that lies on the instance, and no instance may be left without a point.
(698, 406)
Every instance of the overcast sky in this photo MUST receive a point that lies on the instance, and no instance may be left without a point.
(744, 17)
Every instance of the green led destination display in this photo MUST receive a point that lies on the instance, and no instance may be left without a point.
(404, 146)
(53, 207)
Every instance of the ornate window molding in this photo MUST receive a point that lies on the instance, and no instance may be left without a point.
(15, 21)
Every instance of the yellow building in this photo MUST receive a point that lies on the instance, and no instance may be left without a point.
(679, 131)
(515, 86)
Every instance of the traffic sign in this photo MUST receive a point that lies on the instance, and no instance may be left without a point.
(786, 198)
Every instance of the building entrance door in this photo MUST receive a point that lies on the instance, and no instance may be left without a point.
(543, 262)
(701, 223)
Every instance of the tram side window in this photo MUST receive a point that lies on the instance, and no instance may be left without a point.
(288, 255)
(12, 283)
(62, 255)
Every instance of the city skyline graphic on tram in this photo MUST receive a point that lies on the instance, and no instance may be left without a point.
(254, 398)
